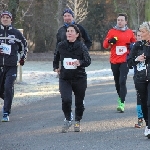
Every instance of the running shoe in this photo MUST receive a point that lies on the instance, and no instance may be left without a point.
(5, 117)
(77, 126)
(67, 125)
(119, 103)
(148, 134)
(140, 123)
(146, 131)
(121, 107)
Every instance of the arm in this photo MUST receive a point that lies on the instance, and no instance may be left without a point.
(106, 44)
(23, 49)
(56, 60)
(134, 58)
(85, 37)
(86, 60)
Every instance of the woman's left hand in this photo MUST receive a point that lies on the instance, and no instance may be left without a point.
(77, 63)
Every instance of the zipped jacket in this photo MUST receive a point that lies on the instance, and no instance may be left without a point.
(13, 42)
(143, 68)
(61, 35)
(76, 51)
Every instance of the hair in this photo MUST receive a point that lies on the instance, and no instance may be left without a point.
(145, 25)
(123, 14)
(77, 31)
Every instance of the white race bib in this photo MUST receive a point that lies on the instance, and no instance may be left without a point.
(141, 66)
(6, 49)
(68, 63)
(120, 50)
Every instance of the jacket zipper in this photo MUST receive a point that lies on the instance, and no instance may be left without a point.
(5, 43)
(146, 71)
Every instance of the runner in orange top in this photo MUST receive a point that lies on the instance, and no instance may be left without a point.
(118, 40)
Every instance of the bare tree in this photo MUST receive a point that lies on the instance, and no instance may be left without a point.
(80, 9)
(3, 5)
(136, 8)
(61, 5)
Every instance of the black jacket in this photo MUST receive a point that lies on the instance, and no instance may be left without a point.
(138, 49)
(76, 51)
(61, 35)
(14, 38)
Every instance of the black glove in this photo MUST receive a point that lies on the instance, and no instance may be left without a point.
(112, 40)
(21, 62)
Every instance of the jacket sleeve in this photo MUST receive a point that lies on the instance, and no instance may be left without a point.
(56, 59)
(106, 45)
(86, 60)
(133, 55)
(85, 37)
(22, 43)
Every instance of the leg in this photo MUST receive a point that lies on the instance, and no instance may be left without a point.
(116, 74)
(79, 88)
(65, 88)
(142, 91)
(10, 77)
(2, 79)
(122, 81)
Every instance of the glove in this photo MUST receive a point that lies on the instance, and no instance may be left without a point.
(21, 62)
(113, 40)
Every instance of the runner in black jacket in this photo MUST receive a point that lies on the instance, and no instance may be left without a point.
(68, 17)
(74, 58)
(140, 57)
(12, 42)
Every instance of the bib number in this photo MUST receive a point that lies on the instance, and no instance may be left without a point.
(141, 66)
(68, 63)
(120, 50)
(6, 49)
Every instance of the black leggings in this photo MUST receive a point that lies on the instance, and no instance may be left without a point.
(120, 72)
(143, 89)
(78, 86)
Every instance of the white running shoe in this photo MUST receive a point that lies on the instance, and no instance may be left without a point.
(146, 131)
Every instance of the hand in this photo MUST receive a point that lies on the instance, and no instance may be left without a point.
(57, 70)
(77, 63)
(113, 40)
(141, 57)
(21, 62)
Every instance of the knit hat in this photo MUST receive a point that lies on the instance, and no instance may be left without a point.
(6, 13)
(67, 10)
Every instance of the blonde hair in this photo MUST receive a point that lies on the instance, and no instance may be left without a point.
(145, 25)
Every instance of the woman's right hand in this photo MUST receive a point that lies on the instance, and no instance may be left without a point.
(57, 70)
(141, 57)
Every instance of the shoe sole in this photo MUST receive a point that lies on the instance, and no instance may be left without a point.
(64, 130)
(121, 111)
(76, 129)
(137, 126)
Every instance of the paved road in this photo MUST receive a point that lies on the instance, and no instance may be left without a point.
(38, 126)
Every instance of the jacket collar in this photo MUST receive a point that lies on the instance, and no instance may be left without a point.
(6, 27)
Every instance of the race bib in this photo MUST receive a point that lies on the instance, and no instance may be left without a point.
(120, 50)
(6, 49)
(68, 63)
(141, 66)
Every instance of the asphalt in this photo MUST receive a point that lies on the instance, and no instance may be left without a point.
(37, 126)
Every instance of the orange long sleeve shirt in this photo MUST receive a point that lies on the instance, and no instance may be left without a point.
(119, 51)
